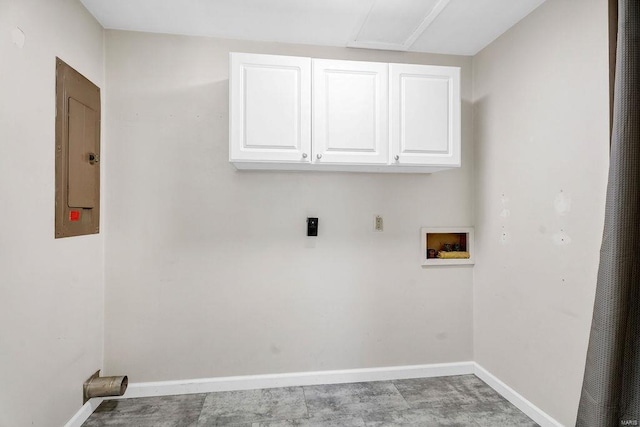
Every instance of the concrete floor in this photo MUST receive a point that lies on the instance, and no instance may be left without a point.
(444, 401)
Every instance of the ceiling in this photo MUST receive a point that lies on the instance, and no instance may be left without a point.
(459, 27)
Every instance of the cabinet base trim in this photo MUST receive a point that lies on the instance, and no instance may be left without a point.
(339, 168)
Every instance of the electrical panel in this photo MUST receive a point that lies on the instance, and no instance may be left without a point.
(77, 153)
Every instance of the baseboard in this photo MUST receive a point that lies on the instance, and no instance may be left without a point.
(531, 410)
(85, 412)
(247, 382)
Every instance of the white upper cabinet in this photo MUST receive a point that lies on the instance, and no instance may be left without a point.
(295, 113)
(270, 108)
(425, 115)
(350, 112)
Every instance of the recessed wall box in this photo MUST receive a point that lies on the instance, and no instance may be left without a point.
(77, 153)
(447, 246)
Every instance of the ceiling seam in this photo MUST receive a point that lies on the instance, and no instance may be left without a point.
(428, 20)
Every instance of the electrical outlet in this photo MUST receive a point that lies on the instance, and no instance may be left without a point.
(312, 227)
(378, 224)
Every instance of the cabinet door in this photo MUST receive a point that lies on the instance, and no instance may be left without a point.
(270, 108)
(350, 112)
(425, 115)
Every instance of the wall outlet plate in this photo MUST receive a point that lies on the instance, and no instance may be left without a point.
(312, 227)
(378, 223)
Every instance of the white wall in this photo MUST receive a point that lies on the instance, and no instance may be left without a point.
(541, 136)
(51, 291)
(209, 271)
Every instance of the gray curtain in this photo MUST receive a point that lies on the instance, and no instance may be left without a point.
(611, 386)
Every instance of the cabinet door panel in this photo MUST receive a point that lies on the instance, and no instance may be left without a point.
(350, 109)
(425, 114)
(270, 104)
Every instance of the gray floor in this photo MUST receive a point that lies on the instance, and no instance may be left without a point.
(445, 401)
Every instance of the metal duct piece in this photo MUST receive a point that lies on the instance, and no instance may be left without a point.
(97, 386)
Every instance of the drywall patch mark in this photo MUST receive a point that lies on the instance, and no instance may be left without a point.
(504, 237)
(275, 349)
(561, 238)
(562, 203)
(567, 312)
(505, 212)
(18, 37)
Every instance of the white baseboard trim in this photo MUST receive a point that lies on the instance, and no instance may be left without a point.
(85, 412)
(247, 382)
(531, 410)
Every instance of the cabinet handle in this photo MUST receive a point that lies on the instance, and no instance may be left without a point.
(304, 155)
(396, 157)
(319, 156)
